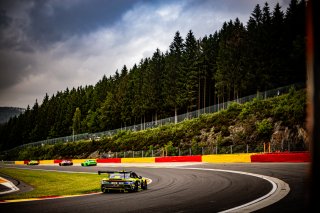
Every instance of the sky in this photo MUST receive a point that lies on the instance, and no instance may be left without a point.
(48, 46)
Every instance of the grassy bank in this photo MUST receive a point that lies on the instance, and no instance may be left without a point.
(50, 183)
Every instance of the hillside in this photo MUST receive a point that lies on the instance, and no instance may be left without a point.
(8, 112)
(278, 122)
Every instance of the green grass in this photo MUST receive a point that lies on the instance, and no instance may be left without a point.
(50, 183)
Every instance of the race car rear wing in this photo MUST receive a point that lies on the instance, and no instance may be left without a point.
(112, 172)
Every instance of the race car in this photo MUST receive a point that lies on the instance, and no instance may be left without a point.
(89, 163)
(66, 163)
(33, 162)
(126, 181)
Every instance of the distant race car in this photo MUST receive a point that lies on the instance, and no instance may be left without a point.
(33, 162)
(89, 163)
(66, 163)
(126, 181)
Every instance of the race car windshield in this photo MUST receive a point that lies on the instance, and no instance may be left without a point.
(120, 175)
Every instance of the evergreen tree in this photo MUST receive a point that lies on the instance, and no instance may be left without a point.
(277, 49)
(76, 121)
(190, 72)
(295, 34)
(230, 60)
(173, 83)
(154, 83)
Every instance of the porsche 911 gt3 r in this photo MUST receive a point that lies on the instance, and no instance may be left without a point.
(126, 181)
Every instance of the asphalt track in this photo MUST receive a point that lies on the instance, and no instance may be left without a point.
(183, 187)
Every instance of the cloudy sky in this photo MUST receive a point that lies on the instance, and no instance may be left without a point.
(50, 45)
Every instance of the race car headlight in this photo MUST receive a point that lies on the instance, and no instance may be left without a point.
(104, 182)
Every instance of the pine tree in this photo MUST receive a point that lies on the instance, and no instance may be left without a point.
(173, 90)
(190, 72)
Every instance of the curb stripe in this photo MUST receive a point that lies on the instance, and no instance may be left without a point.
(47, 198)
(8, 184)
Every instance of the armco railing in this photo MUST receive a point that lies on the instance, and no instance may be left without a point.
(179, 118)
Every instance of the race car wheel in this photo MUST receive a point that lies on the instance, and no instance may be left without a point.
(136, 187)
(103, 190)
(144, 185)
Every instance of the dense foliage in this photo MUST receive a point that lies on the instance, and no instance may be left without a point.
(235, 61)
(256, 122)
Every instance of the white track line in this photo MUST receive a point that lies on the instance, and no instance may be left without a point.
(279, 190)
(10, 185)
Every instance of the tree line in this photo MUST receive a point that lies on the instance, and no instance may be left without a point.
(235, 61)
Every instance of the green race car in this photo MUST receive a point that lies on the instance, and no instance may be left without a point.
(126, 181)
(33, 162)
(89, 163)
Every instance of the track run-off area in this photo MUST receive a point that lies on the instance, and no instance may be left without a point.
(185, 187)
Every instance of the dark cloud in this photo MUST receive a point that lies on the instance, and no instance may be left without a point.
(14, 67)
(47, 21)
(50, 22)
(4, 19)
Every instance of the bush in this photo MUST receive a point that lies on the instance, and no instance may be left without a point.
(264, 128)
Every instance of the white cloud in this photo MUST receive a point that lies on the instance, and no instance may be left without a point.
(170, 12)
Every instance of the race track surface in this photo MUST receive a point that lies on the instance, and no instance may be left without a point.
(183, 187)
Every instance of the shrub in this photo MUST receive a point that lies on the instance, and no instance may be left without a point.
(264, 128)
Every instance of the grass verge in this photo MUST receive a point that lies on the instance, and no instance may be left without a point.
(50, 183)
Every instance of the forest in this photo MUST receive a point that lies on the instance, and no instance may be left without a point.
(238, 60)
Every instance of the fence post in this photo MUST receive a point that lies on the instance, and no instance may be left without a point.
(231, 148)
(269, 147)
